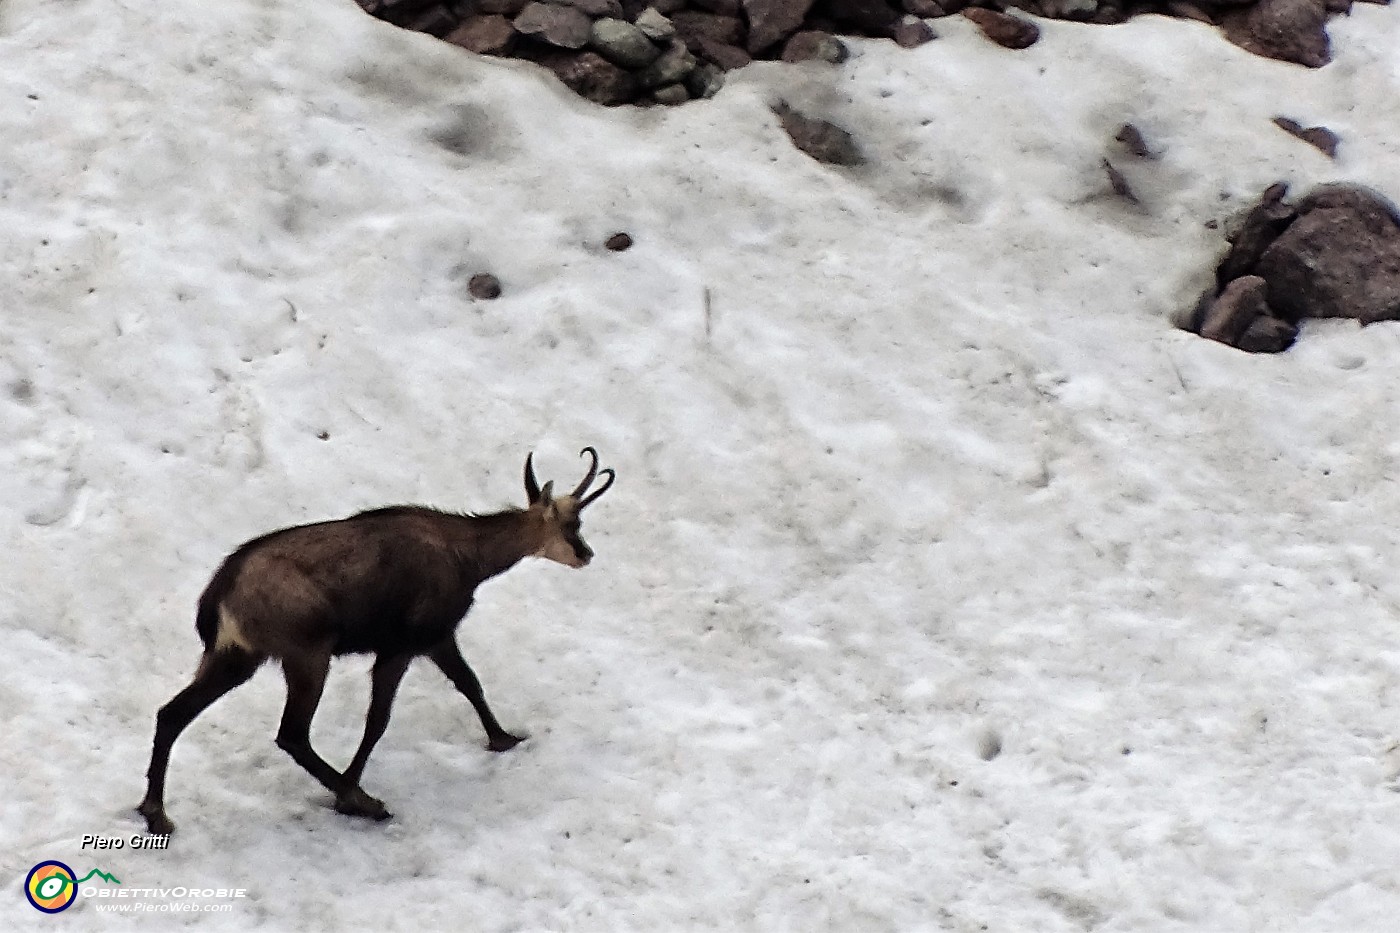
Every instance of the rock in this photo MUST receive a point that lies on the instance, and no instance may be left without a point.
(926, 9)
(1191, 320)
(1274, 193)
(670, 68)
(1185, 10)
(706, 80)
(491, 34)
(727, 57)
(671, 94)
(1079, 10)
(619, 242)
(507, 8)
(1004, 29)
(1119, 183)
(1241, 317)
(1287, 30)
(484, 286)
(1377, 211)
(1318, 136)
(823, 141)
(595, 8)
(772, 21)
(723, 7)
(811, 45)
(691, 26)
(435, 21)
(402, 12)
(1268, 335)
(1339, 258)
(654, 25)
(622, 43)
(1108, 15)
(1262, 225)
(563, 26)
(594, 78)
(868, 17)
(913, 33)
(1132, 139)
(1230, 315)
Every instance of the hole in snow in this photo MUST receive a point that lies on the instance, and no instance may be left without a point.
(989, 745)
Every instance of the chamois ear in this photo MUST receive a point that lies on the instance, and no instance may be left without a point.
(546, 498)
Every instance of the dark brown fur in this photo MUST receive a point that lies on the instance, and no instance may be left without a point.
(393, 582)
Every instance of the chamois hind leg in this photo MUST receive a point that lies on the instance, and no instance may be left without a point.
(306, 678)
(448, 657)
(219, 672)
(388, 673)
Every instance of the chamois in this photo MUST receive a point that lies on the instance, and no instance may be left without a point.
(392, 582)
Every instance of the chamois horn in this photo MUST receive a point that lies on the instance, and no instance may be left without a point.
(583, 485)
(532, 485)
(593, 473)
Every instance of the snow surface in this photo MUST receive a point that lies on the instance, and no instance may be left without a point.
(944, 586)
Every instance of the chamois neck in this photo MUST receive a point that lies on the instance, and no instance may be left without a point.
(492, 544)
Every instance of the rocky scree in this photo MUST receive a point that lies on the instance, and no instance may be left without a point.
(672, 51)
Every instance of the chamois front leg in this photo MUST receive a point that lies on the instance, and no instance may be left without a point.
(448, 657)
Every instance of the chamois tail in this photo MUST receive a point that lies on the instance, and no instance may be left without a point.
(209, 617)
(206, 622)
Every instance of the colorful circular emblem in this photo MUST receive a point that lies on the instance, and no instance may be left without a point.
(51, 887)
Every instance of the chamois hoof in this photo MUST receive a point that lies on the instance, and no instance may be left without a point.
(358, 803)
(504, 742)
(157, 823)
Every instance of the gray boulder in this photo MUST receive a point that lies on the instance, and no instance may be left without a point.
(622, 43)
(1339, 258)
(655, 25)
(820, 139)
(488, 34)
(772, 21)
(1230, 315)
(1288, 30)
(670, 68)
(595, 7)
(564, 26)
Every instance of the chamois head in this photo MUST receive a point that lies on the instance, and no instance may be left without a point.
(562, 541)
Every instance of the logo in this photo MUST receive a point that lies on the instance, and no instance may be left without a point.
(52, 886)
